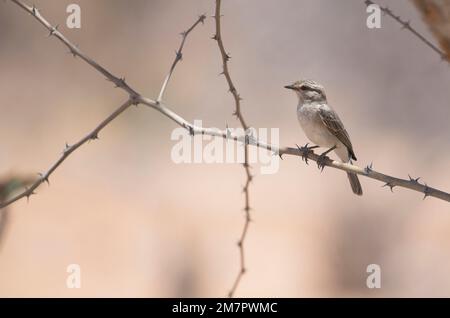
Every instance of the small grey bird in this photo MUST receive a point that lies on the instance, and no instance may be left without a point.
(322, 126)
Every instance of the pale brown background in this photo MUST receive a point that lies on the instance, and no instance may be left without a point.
(139, 225)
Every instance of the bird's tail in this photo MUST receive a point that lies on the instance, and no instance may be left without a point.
(354, 182)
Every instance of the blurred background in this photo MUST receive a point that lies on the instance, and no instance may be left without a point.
(140, 225)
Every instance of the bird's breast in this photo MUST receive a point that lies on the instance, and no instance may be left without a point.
(314, 128)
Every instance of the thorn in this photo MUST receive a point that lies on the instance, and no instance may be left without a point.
(369, 168)
(243, 270)
(53, 30)
(221, 73)
(239, 244)
(202, 18)
(280, 155)
(414, 180)
(120, 82)
(215, 37)
(34, 10)
(72, 52)
(94, 136)
(426, 192)
(191, 130)
(28, 195)
(66, 147)
(227, 57)
(390, 185)
(43, 178)
(405, 25)
(179, 55)
(235, 114)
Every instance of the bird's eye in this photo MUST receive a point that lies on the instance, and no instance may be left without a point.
(311, 89)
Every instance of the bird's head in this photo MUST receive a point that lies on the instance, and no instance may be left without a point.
(308, 90)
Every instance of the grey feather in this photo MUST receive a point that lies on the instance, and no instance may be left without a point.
(334, 124)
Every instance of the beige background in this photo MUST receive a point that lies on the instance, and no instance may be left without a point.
(139, 225)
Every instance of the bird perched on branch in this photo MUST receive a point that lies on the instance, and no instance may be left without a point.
(323, 126)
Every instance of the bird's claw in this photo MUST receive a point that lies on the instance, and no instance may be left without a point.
(322, 161)
(305, 151)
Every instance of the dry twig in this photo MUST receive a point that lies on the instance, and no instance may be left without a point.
(238, 113)
(407, 25)
(178, 55)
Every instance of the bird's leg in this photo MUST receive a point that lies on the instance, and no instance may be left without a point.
(323, 158)
(305, 150)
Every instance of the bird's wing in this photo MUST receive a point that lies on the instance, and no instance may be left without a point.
(334, 124)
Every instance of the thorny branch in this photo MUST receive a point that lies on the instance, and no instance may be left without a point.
(238, 113)
(135, 98)
(407, 25)
(179, 55)
(68, 150)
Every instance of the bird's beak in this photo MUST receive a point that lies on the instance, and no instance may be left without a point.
(289, 87)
